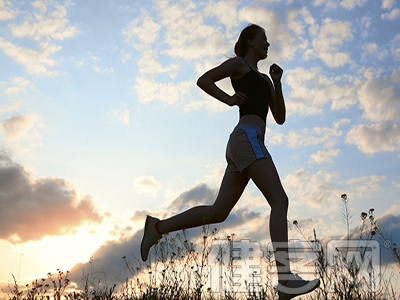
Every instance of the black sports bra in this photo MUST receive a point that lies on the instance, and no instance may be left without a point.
(258, 92)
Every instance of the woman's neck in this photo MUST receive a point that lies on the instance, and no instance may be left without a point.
(251, 60)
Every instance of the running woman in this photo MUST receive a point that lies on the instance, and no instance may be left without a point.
(246, 155)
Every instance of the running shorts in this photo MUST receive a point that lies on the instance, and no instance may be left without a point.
(245, 146)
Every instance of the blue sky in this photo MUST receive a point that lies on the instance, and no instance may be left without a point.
(101, 121)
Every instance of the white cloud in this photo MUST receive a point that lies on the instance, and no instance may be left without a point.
(6, 10)
(364, 186)
(18, 85)
(122, 115)
(185, 33)
(372, 49)
(146, 184)
(324, 156)
(125, 56)
(394, 14)
(375, 138)
(350, 4)
(50, 23)
(150, 64)
(311, 89)
(36, 62)
(168, 93)
(108, 70)
(325, 44)
(316, 189)
(226, 11)
(5, 108)
(379, 98)
(284, 41)
(143, 32)
(387, 4)
(395, 47)
(314, 136)
(17, 125)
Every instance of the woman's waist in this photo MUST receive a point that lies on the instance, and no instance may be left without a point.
(252, 121)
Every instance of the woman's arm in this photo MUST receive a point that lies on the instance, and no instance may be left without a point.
(277, 104)
(229, 68)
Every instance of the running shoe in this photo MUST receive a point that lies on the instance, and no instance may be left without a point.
(296, 286)
(150, 237)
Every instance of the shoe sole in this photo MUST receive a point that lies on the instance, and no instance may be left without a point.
(288, 296)
(146, 225)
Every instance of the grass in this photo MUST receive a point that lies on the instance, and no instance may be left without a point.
(179, 269)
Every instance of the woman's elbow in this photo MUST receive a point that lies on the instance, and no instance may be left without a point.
(280, 120)
(201, 81)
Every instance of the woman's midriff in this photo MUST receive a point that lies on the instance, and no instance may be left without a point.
(255, 120)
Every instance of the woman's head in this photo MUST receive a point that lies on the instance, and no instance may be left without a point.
(249, 33)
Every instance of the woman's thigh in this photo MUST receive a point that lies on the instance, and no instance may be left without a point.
(265, 175)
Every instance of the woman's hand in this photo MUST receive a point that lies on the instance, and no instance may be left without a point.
(237, 99)
(276, 73)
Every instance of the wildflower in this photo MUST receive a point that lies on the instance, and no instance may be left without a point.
(363, 215)
(344, 197)
(295, 223)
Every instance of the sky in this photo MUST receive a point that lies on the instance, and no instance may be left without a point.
(101, 122)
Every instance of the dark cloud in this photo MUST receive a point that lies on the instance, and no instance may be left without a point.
(107, 265)
(32, 208)
(199, 195)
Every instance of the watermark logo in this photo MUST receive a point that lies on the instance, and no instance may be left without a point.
(356, 260)
(241, 266)
(237, 266)
(300, 256)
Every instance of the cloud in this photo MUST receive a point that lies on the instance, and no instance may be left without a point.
(201, 194)
(6, 10)
(103, 71)
(18, 85)
(107, 260)
(374, 138)
(387, 4)
(143, 32)
(122, 115)
(146, 184)
(329, 4)
(36, 62)
(50, 22)
(395, 47)
(32, 208)
(324, 156)
(326, 41)
(311, 89)
(364, 186)
(316, 189)
(17, 125)
(379, 98)
(168, 93)
(149, 64)
(350, 4)
(283, 36)
(314, 136)
(181, 40)
(394, 14)
(5, 108)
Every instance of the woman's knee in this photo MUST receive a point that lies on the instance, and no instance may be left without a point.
(280, 202)
(219, 215)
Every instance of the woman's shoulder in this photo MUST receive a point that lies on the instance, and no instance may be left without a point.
(238, 67)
